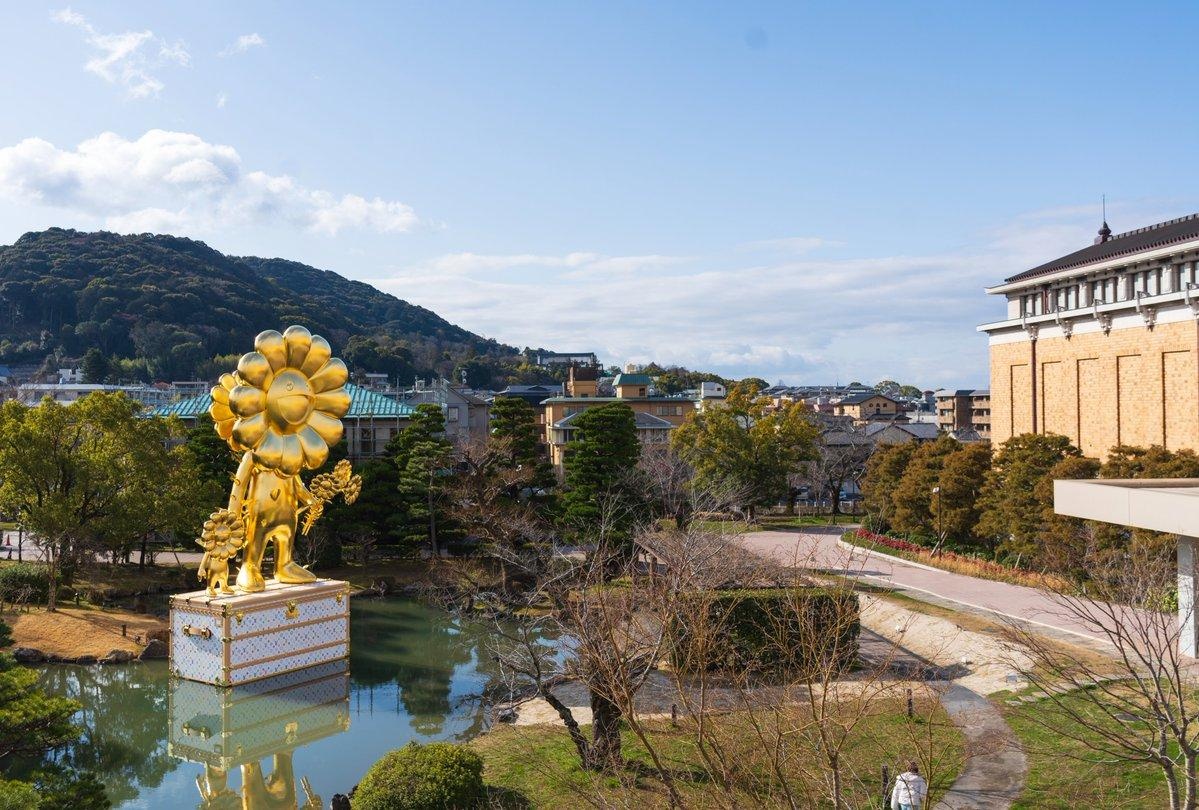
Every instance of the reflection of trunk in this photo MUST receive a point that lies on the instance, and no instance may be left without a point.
(604, 754)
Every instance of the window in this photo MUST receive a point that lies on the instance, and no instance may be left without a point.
(451, 413)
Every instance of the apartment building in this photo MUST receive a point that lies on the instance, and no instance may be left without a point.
(964, 410)
(1101, 345)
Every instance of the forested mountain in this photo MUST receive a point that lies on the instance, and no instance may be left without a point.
(164, 307)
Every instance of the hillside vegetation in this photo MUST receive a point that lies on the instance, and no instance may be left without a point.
(163, 307)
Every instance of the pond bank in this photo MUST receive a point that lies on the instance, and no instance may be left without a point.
(86, 635)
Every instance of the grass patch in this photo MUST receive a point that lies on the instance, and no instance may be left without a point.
(1064, 773)
(538, 764)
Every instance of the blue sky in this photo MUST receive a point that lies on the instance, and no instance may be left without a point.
(799, 191)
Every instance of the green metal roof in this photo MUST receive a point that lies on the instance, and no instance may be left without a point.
(632, 379)
(364, 404)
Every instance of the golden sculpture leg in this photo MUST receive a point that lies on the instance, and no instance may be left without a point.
(287, 570)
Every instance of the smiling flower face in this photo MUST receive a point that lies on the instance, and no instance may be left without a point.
(284, 402)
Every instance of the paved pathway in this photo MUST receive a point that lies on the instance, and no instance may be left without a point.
(821, 548)
(995, 763)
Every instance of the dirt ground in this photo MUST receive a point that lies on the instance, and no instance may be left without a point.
(74, 632)
(982, 658)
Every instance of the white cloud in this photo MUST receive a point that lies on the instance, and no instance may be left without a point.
(221, 100)
(178, 182)
(122, 58)
(773, 314)
(791, 244)
(244, 43)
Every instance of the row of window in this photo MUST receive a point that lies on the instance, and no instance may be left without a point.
(1122, 286)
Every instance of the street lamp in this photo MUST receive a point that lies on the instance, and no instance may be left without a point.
(940, 534)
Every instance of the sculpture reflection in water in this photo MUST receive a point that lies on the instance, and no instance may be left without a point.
(238, 728)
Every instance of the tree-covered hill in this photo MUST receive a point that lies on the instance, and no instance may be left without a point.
(163, 307)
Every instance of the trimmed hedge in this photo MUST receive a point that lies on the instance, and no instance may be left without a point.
(437, 776)
(24, 581)
(778, 630)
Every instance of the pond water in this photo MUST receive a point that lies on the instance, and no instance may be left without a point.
(415, 673)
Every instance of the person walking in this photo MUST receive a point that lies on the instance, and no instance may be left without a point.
(910, 789)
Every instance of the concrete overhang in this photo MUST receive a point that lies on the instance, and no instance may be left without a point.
(1158, 504)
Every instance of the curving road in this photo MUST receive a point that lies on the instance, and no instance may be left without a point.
(821, 548)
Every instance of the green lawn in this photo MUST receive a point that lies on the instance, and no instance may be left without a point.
(1065, 774)
(536, 766)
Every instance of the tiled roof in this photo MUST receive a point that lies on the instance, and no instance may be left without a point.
(644, 421)
(858, 399)
(920, 430)
(363, 404)
(1122, 244)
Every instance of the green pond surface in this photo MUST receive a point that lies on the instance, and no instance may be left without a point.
(415, 673)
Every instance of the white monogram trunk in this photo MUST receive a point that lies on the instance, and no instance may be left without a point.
(236, 639)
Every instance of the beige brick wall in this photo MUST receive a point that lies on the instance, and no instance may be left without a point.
(1132, 386)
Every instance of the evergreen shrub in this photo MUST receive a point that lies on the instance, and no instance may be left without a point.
(437, 776)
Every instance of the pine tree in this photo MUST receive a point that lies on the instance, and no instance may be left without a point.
(913, 496)
(883, 472)
(422, 456)
(1012, 507)
(599, 462)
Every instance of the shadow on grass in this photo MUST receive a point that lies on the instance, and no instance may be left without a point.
(502, 798)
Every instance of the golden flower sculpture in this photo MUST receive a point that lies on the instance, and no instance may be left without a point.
(326, 486)
(222, 537)
(285, 401)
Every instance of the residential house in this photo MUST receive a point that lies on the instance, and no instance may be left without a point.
(868, 406)
(656, 415)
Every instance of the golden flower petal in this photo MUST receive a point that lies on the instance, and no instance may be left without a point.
(334, 403)
(269, 452)
(332, 375)
(220, 411)
(315, 449)
(292, 459)
(249, 432)
(318, 354)
(246, 400)
(270, 345)
(299, 341)
(255, 370)
(326, 427)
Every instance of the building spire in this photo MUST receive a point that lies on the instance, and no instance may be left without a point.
(1105, 233)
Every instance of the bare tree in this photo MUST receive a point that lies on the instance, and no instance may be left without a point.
(1142, 705)
(842, 452)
